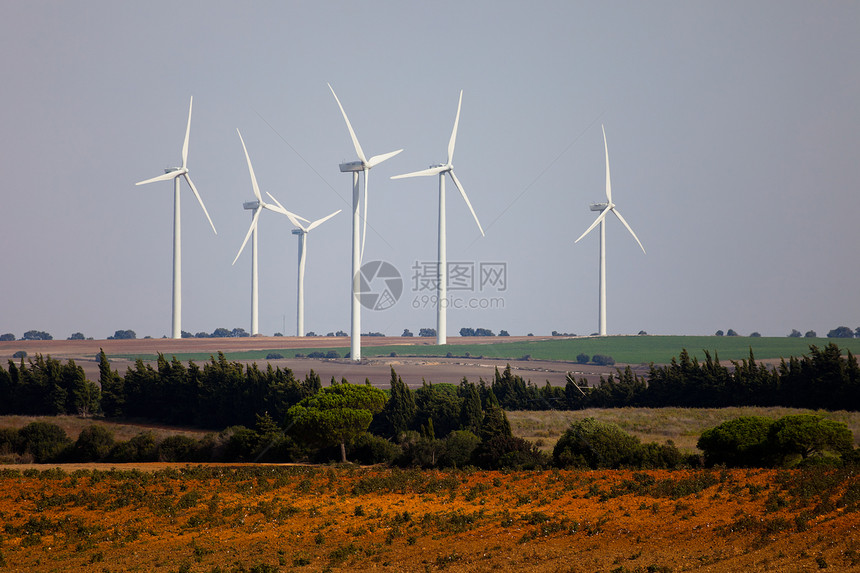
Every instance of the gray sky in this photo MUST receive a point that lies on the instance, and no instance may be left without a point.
(733, 131)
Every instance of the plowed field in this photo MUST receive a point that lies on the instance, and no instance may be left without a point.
(279, 518)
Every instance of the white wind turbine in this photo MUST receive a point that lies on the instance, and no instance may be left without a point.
(302, 232)
(604, 209)
(256, 207)
(175, 173)
(442, 271)
(363, 165)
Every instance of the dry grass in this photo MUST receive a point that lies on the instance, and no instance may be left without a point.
(681, 425)
(122, 431)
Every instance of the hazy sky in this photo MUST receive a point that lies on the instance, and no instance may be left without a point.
(733, 131)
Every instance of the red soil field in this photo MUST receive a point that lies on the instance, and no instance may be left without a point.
(298, 518)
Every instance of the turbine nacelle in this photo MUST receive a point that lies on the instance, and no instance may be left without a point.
(352, 167)
(599, 206)
(251, 205)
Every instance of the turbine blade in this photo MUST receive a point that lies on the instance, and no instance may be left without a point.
(453, 139)
(466, 199)
(294, 219)
(349, 127)
(364, 225)
(600, 218)
(165, 177)
(608, 184)
(251, 229)
(199, 200)
(187, 134)
(319, 222)
(254, 185)
(377, 159)
(620, 218)
(423, 173)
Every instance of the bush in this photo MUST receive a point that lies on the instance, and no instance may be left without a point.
(370, 449)
(20, 354)
(808, 435)
(177, 449)
(274, 356)
(332, 354)
(841, 332)
(582, 358)
(460, 446)
(44, 441)
(141, 448)
(502, 451)
(602, 360)
(737, 443)
(8, 337)
(94, 444)
(593, 444)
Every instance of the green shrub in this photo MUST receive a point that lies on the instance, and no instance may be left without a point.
(594, 444)
(808, 435)
(370, 449)
(141, 448)
(503, 451)
(44, 441)
(739, 442)
(94, 443)
(460, 446)
(177, 449)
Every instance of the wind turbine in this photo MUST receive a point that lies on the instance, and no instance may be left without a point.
(256, 207)
(302, 233)
(363, 165)
(604, 209)
(442, 271)
(175, 173)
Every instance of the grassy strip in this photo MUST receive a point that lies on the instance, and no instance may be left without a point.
(624, 349)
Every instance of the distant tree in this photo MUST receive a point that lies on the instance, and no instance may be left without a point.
(590, 443)
(466, 331)
(399, 413)
(483, 332)
(795, 333)
(123, 335)
(809, 435)
(503, 333)
(76, 336)
(841, 332)
(311, 333)
(202, 335)
(739, 442)
(857, 332)
(582, 358)
(642, 333)
(8, 337)
(36, 335)
(602, 360)
(112, 388)
(530, 334)
(340, 333)
(239, 333)
(427, 332)
(731, 333)
(337, 415)
(220, 333)
(279, 334)
(94, 443)
(331, 354)
(43, 440)
(20, 354)
(755, 335)
(719, 333)
(810, 334)
(407, 332)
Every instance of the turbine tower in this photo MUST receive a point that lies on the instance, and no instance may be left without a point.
(604, 209)
(302, 233)
(256, 207)
(363, 165)
(442, 270)
(175, 173)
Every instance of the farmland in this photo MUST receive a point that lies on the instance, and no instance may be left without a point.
(275, 518)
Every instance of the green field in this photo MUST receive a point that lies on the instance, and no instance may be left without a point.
(624, 349)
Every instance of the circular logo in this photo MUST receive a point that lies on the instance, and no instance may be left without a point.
(380, 285)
